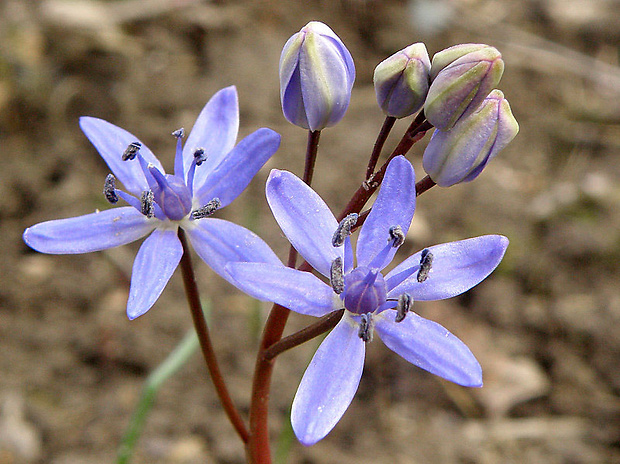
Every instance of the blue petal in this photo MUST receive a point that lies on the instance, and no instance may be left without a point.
(219, 242)
(430, 346)
(457, 267)
(348, 255)
(111, 142)
(91, 232)
(155, 263)
(394, 206)
(289, 61)
(329, 384)
(326, 80)
(304, 218)
(238, 168)
(290, 82)
(215, 131)
(299, 291)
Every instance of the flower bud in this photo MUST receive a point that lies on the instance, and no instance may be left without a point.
(450, 55)
(461, 78)
(401, 81)
(460, 154)
(316, 77)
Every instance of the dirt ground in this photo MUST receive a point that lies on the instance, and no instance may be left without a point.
(545, 326)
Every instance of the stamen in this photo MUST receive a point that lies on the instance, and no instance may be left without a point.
(426, 262)
(365, 330)
(397, 236)
(179, 133)
(403, 306)
(109, 189)
(336, 276)
(147, 203)
(131, 151)
(344, 229)
(199, 156)
(206, 210)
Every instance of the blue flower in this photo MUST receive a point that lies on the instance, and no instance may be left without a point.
(209, 173)
(373, 302)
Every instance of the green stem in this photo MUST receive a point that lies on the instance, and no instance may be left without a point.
(171, 364)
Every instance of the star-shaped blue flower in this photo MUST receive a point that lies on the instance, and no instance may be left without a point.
(373, 302)
(209, 173)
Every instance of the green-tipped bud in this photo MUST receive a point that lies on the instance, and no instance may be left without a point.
(402, 80)
(460, 154)
(461, 78)
(316, 77)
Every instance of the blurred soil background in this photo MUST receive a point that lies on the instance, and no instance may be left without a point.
(545, 326)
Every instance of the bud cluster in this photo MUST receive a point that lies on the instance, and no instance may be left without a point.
(454, 90)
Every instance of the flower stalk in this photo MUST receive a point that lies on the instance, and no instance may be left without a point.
(257, 446)
(202, 330)
(416, 131)
(387, 126)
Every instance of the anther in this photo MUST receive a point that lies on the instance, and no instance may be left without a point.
(426, 262)
(131, 151)
(403, 306)
(199, 156)
(206, 210)
(179, 133)
(397, 236)
(344, 229)
(109, 189)
(365, 330)
(336, 275)
(147, 203)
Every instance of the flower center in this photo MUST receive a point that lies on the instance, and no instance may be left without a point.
(172, 195)
(365, 290)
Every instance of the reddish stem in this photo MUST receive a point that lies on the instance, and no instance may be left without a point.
(200, 324)
(381, 138)
(258, 450)
(416, 131)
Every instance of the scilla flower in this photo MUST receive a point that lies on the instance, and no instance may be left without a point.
(372, 301)
(209, 173)
(316, 77)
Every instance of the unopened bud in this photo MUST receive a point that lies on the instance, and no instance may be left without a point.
(402, 80)
(461, 78)
(316, 77)
(460, 154)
